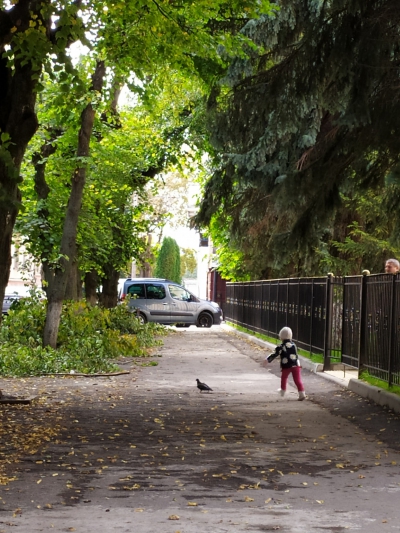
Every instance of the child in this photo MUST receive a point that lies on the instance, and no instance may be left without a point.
(290, 363)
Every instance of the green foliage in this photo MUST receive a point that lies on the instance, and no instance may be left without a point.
(231, 260)
(364, 232)
(91, 339)
(188, 263)
(168, 261)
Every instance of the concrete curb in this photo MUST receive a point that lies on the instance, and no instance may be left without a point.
(375, 394)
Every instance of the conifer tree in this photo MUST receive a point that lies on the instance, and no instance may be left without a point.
(312, 115)
(168, 261)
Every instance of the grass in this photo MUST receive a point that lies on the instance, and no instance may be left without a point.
(314, 357)
(376, 382)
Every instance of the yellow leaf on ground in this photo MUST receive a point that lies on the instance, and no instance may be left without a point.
(173, 517)
(192, 504)
(248, 499)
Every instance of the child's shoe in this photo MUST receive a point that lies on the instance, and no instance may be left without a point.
(281, 392)
(302, 396)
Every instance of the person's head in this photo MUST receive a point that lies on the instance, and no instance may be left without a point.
(392, 266)
(285, 334)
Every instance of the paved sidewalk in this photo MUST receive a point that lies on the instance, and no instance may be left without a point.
(147, 452)
(346, 377)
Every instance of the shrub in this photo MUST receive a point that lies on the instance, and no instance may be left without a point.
(90, 339)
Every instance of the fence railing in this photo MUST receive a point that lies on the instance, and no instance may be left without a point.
(354, 320)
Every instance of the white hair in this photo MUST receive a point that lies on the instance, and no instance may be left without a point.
(394, 262)
(285, 333)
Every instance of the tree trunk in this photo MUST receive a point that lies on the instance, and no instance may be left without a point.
(53, 314)
(73, 289)
(6, 229)
(109, 294)
(91, 283)
(39, 161)
(18, 124)
(56, 291)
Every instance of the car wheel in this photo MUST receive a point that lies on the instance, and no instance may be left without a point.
(141, 318)
(204, 321)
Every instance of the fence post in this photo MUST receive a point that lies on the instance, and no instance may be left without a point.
(392, 332)
(363, 323)
(328, 323)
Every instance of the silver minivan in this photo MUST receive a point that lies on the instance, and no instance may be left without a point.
(166, 302)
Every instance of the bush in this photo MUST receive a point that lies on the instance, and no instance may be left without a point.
(90, 339)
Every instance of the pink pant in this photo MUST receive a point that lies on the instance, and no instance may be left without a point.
(296, 373)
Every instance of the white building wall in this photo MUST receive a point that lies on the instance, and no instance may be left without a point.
(23, 272)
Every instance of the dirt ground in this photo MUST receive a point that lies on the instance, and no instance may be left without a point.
(147, 452)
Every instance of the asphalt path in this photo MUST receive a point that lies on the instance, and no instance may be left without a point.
(147, 452)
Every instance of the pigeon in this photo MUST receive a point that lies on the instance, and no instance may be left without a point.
(203, 386)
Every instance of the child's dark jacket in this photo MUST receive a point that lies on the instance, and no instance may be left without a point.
(287, 351)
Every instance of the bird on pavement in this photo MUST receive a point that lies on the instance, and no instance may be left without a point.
(203, 386)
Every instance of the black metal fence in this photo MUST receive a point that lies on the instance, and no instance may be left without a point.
(353, 320)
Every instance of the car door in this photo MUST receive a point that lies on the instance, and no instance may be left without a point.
(158, 303)
(138, 296)
(183, 309)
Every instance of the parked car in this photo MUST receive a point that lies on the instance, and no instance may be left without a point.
(14, 293)
(166, 302)
(9, 299)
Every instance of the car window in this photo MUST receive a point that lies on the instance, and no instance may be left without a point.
(155, 291)
(137, 290)
(178, 293)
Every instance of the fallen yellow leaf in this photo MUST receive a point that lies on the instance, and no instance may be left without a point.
(192, 504)
(173, 517)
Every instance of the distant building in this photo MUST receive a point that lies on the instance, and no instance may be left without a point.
(24, 271)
